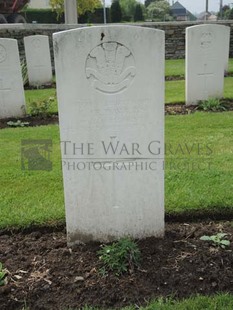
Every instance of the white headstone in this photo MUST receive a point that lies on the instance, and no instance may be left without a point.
(110, 84)
(38, 60)
(12, 100)
(206, 54)
(227, 36)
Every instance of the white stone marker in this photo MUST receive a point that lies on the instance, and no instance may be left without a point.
(12, 100)
(227, 36)
(110, 85)
(38, 60)
(206, 54)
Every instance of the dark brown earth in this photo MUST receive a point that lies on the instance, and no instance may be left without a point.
(42, 270)
(170, 109)
(32, 120)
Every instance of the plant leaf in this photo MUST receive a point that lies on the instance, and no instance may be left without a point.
(205, 238)
(225, 242)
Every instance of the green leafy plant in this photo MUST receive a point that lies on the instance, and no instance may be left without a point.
(40, 108)
(212, 104)
(120, 256)
(2, 275)
(18, 123)
(217, 240)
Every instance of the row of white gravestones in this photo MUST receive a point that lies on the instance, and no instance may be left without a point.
(110, 87)
(207, 52)
(12, 100)
(38, 60)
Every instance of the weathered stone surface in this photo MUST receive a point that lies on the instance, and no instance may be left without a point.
(111, 112)
(12, 101)
(206, 58)
(38, 60)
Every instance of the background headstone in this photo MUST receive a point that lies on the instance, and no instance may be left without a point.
(12, 100)
(206, 54)
(227, 34)
(38, 60)
(110, 84)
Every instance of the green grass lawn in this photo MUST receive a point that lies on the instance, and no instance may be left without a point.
(29, 197)
(41, 95)
(217, 302)
(177, 67)
(174, 92)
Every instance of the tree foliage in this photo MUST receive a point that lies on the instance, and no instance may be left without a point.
(116, 13)
(148, 2)
(230, 16)
(83, 6)
(158, 9)
(138, 14)
(128, 7)
(225, 12)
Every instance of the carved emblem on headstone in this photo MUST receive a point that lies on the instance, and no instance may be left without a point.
(110, 67)
(206, 40)
(2, 53)
(36, 43)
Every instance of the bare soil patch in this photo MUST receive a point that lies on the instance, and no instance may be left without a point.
(46, 274)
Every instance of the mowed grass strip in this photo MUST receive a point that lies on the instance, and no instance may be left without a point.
(199, 162)
(29, 197)
(36, 197)
(218, 302)
(174, 93)
(215, 302)
(40, 95)
(175, 90)
(176, 67)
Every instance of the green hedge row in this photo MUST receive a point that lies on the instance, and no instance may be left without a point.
(47, 16)
(42, 16)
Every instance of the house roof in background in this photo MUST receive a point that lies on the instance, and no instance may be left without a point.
(177, 6)
(179, 10)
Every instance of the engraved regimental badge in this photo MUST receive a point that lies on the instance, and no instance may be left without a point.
(206, 40)
(110, 67)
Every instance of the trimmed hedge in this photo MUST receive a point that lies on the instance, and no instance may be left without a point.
(42, 16)
(47, 16)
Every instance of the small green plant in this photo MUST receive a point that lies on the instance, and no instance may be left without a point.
(217, 240)
(40, 108)
(18, 123)
(119, 257)
(2, 275)
(212, 104)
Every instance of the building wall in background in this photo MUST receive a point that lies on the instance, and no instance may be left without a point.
(174, 34)
(39, 4)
